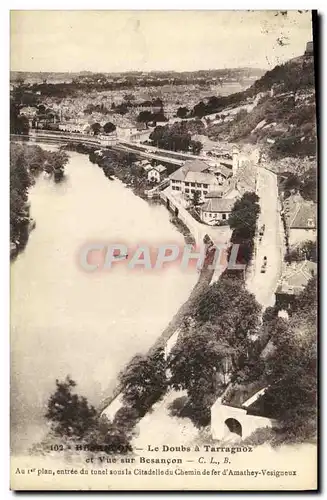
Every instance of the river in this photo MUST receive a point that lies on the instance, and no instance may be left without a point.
(67, 321)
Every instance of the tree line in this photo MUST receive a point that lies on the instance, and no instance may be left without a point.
(26, 163)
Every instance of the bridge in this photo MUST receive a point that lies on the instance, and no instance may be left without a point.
(59, 137)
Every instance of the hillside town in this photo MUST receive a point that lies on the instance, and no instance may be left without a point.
(231, 157)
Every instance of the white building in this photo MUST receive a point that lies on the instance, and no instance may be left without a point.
(108, 139)
(156, 173)
(125, 132)
(74, 127)
(28, 111)
(216, 209)
(197, 176)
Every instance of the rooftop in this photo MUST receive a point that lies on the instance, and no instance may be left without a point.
(218, 205)
(189, 166)
(300, 213)
(201, 178)
(245, 178)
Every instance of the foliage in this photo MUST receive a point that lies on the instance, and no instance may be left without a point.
(69, 414)
(196, 198)
(107, 437)
(196, 147)
(96, 128)
(109, 127)
(293, 145)
(231, 307)
(196, 361)
(126, 419)
(26, 162)
(243, 220)
(72, 420)
(18, 124)
(306, 250)
(182, 112)
(244, 215)
(308, 187)
(305, 184)
(177, 137)
(145, 117)
(292, 369)
(215, 346)
(96, 108)
(144, 381)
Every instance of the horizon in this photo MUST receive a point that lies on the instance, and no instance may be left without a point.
(128, 41)
(140, 71)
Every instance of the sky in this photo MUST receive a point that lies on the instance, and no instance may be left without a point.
(116, 41)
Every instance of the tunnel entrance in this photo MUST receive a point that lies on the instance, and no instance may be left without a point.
(232, 425)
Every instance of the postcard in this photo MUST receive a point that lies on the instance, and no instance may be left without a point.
(163, 250)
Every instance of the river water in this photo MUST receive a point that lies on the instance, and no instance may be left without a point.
(67, 321)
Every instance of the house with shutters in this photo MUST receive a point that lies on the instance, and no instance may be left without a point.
(156, 173)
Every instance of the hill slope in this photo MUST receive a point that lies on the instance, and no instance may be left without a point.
(278, 110)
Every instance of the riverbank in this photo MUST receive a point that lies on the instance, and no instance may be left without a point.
(18, 246)
(27, 162)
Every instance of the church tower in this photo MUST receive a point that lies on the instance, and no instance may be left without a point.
(235, 155)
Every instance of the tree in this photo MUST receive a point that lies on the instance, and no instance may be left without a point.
(291, 368)
(174, 137)
(107, 437)
(196, 147)
(70, 415)
(196, 198)
(200, 109)
(308, 188)
(182, 112)
(56, 161)
(197, 364)
(144, 117)
(41, 109)
(109, 127)
(144, 381)
(244, 214)
(291, 184)
(122, 108)
(96, 127)
(229, 303)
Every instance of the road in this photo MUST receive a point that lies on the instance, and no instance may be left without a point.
(263, 285)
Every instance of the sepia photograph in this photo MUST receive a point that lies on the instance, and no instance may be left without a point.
(163, 250)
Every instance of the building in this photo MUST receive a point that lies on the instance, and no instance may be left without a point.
(156, 173)
(74, 127)
(244, 179)
(145, 164)
(293, 281)
(309, 49)
(28, 111)
(108, 139)
(125, 132)
(300, 219)
(216, 209)
(196, 175)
